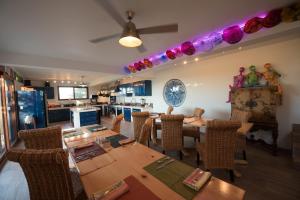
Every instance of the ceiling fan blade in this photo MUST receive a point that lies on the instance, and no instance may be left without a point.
(142, 48)
(101, 39)
(112, 12)
(168, 28)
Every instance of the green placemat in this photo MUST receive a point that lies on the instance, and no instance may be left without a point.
(173, 175)
(96, 128)
(114, 140)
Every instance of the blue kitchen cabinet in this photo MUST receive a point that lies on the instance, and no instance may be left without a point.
(143, 88)
(88, 118)
(127, 114)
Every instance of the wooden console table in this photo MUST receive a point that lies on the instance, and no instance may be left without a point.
(262, 103)
(268, 126)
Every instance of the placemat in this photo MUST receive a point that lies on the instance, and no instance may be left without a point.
(96, 128)
(173, 175)
(114, 140)
(73, 134)
(88, 152)
(137, 191)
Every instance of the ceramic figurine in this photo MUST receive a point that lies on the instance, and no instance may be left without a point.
(252, 78)
(272, 77)
(238, 82)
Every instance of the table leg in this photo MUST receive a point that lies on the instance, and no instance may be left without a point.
(274, 136)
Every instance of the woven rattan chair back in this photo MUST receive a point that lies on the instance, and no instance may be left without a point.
(116, 125)
(42, 138)
(139, 119)
(171, 136)
(47, 173)
(220, 140)
(145, 132)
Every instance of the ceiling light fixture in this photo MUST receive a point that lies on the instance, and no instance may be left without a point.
(130, 37)
(196, 59)
(185, 62)
(62, 81)
(54, 81)
(69, 82)
(82, 84)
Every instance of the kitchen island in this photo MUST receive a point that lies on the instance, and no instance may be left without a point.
(84, 116)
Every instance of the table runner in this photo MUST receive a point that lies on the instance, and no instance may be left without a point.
(173, 175)
(114, 140)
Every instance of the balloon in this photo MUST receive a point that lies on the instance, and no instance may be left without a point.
(163, 58)
(205, 45)
(170, 54)
(188, 48)
(126, 70)
(216, 38)
(272, 19)
(232, 34)
(142, 65)
(132, 69)
(148, 63)
(253, 25)
(137, 67)
(178, 52)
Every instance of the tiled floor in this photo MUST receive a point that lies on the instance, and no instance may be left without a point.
(265, 177)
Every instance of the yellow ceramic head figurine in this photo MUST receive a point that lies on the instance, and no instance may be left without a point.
(272, 77)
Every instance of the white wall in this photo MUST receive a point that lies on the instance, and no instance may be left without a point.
(215, 73)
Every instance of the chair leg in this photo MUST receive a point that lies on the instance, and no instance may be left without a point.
(231, 174)
(244, 155)
(180, 155)
(198, 159)
(148, 142)
(164, 152)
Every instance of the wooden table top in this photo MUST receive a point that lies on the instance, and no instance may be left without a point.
(130, 160)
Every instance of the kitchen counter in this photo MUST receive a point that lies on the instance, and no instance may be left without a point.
(84, 109)
(84, 116)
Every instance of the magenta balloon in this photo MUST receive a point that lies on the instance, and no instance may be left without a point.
(232, 34)
(188, 48)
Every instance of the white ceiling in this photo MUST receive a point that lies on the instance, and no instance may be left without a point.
(48, 39)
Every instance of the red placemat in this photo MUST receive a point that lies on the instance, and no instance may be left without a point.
(137, 191)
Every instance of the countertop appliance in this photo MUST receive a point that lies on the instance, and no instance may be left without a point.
(32, 109)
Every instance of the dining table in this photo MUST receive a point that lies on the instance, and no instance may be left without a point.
(116, 164)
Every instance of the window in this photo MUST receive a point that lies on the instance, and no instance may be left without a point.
(80, 92)
(66, 93)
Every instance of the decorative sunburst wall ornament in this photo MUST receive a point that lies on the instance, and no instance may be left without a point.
(231, 35)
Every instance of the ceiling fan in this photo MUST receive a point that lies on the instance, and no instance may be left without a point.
(131, 35)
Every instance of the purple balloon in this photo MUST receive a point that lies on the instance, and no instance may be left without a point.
(204, 45)
(126, 70)
(216, 38)
(232, 34)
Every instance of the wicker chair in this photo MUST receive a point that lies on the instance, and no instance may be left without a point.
(171, 136)
(42, 138)
(139, 119)
(190, 131)
(48, 174)
(218, 150)
(158, 124)
(145, 132)
(243, 117)
(117, 123)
